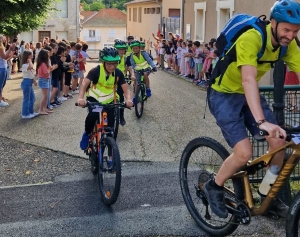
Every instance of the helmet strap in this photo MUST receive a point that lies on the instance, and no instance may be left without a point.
(275, 35)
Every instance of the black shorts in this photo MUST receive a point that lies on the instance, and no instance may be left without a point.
(68, 77)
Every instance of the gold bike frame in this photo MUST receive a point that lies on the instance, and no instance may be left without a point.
(285, 173)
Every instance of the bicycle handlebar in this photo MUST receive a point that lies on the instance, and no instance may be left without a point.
(289, 133)
(145, 70)
(105, 106)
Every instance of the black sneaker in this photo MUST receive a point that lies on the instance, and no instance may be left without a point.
(277, 209)
(122, 121)
(54, 105)
(216, 200)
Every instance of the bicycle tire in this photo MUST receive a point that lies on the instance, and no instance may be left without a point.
(188, 169)
(93, 156)
(109, 189)
(293, 217)
(117, 121)
(139, 101)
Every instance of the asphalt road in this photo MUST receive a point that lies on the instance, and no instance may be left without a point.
(46, 188)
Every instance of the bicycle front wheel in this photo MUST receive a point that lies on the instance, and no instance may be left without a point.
(117, 121)
(139, 100)
(109, 171)
(293, 217)
(201, 159)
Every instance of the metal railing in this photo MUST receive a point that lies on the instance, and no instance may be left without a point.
(292, 119)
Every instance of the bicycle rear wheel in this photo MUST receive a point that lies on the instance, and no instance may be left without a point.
(109, 171)
(139, 100)
(202, 158)
(292, 226)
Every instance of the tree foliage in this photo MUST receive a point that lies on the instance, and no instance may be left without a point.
(23, 15)
(106, 4)
(96, 6)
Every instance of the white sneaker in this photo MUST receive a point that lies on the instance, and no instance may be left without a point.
(75, 92)
(62, 99)
(28, 116)
(35, 114)
(3, 103)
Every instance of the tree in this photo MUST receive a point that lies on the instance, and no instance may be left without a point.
(96, 6)
(115, 3)
(22, 15)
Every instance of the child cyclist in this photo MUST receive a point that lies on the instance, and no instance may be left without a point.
(124, 65)
(99, 86)
(141, 60)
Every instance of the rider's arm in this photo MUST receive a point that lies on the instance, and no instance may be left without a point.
(124, 86)
(86, 82)
(148, 59)
(132, 62)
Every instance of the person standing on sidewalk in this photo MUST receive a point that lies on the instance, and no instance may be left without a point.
(4, 55)
(26, 85)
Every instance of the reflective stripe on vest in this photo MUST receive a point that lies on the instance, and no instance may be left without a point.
(121, 65)
(140, 63)
(105, 90)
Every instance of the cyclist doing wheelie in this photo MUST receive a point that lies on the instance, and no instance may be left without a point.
(236, 103)
(141, 60)
(124, 65)
(100, 86)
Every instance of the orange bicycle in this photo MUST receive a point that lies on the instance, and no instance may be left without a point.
(104, 154)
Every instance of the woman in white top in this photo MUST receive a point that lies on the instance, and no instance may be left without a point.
(26, 85)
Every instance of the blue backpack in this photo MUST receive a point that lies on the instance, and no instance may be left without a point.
(234, 28)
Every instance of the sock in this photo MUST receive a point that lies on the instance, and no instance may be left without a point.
(214, 185)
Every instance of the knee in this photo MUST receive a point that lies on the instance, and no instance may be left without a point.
(243, 156)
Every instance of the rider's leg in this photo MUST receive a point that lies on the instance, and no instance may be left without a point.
(146, 78)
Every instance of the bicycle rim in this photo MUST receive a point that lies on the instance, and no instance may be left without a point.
(109, 173)
(199, 156)
(139, 101)
(94, 156)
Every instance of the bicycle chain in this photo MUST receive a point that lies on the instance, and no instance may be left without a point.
(227, 194)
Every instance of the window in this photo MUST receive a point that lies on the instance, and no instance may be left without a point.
(92, 33)
(200, 9)
(140, 15)
(174, 12)
(108, 45)
(134, 17)
(225, 10)
(152, 10)
(112, 34)
(157, 10)
(129, 14)
(62, 8)
(145, 10)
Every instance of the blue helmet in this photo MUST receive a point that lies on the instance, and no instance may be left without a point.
(286, 11)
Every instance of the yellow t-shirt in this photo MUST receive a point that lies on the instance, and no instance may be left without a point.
(248, 46)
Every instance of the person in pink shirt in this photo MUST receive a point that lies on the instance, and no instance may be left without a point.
(44, 68)
(207, 62)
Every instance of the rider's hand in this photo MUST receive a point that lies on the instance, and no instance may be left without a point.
(81, 102)
(129, 104)
(132, 78)
(274, 130)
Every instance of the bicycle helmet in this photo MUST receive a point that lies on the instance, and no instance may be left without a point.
(286, 11)
(135, 43)
(109, 54)
(120, 44)
(130, 37)
(142, 44)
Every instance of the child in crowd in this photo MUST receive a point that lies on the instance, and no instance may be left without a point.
(190, 64)
(197, 59)
(78, 62)
(206, 65)
(178, 57)
(68, 73)
(44, 68)
(183, 68)
(26, 85)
